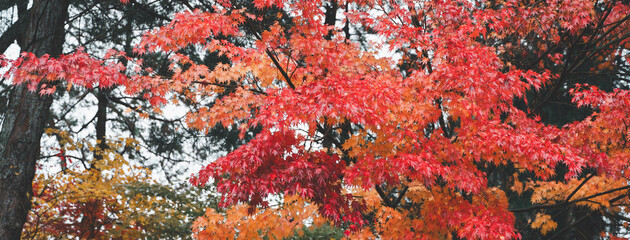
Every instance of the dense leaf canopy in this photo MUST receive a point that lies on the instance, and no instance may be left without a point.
(393, 119)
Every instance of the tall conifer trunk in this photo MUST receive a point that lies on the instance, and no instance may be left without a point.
(24, 121)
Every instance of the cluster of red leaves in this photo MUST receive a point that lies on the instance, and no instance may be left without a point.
(274, 163)
(187, 28)
(602, 137)
(77, 68)
(471, 216)
(94, 222)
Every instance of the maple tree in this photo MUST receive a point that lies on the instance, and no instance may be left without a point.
(421, 132)
(434, 139)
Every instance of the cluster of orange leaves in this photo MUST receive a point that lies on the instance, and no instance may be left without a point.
(285, 220)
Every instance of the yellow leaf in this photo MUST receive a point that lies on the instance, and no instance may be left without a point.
(518, 185)
(544, 223)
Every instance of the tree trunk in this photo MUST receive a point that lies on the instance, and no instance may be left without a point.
(101, 126)
(24, 121)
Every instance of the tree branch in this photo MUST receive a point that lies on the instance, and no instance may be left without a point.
(384, 196)
(149, 11)
(557, 234)
(116, 100)
(578, 187)
(400, 196)
(230, 86)
(14, 32)
(538, 207)
(279, 67)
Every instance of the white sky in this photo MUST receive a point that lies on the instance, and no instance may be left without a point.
(13, 51)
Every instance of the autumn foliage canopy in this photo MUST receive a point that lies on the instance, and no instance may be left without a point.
(388, 117)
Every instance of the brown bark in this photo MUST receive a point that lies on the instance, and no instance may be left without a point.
(24, 121)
